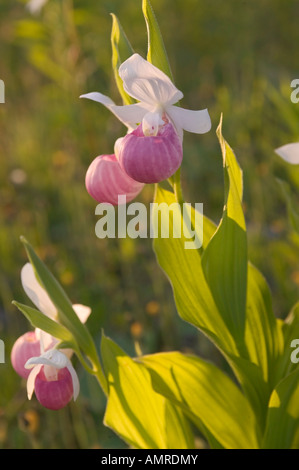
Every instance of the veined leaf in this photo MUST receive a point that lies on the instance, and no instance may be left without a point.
(208, 395)
(263, 335)
(195, 304)
(156, 53)
(66, 313)
(141, 416)
(282, 431)
(225, 258)
(121, 50)
(192, 294)
(39, 320)
(290, 331)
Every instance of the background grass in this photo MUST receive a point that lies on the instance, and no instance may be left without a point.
(236, 57)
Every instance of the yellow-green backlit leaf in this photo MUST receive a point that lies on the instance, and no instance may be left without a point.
(208, 395)
(121, 50)
(141, 416)
(225, 258)
(156, 53)
(282, 431)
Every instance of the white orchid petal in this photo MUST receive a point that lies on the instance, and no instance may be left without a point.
(75, 380)
(47, 341)
(289, 153)
(35, 6)
(130, 115)
(53, 357)
(96, 96)
(146, 83)
(36, 292)
(82, 312)
(31, 380)
(151, 123)
(198, 122)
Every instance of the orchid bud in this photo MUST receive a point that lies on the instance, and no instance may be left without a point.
(105, 181)
(25, 347)
(151, 158)
(53, 387)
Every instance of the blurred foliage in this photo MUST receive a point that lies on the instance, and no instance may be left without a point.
(236, 57)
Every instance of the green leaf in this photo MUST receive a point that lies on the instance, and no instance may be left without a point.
(66, 315)
(290, 331)
(207, 395)
(156, 53)
(195, 303)
(183, 267)
(225, 258)
(39, 320)
(121, 50)
(282, 431)
(139, 415)
(263, 336)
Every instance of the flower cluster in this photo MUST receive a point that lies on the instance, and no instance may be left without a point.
(151, 151)
(49, 371)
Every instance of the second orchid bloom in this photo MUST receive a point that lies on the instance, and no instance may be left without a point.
(152, 150)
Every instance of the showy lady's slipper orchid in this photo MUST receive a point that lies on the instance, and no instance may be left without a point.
(34, 343)
(105, 181)
(53, 379)
(157, 96)
(158, 141)
(289, 153)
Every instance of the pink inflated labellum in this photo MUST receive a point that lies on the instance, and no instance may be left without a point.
(151, 158)
(105, 181)
(25, 347)
(53, 378)
(53, 388)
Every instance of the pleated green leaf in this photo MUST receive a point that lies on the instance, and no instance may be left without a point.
(39, 320)
(225, 258)
(263, 336)
(121, 50)
(138, 414)
(183, 267)
(66, 314)
(290, 331)
(156, 53)
(282, 431)
(209, 397)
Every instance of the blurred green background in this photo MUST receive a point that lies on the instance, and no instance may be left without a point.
(236, 57)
